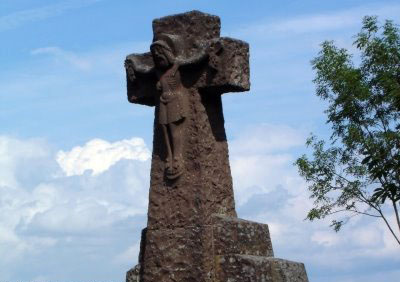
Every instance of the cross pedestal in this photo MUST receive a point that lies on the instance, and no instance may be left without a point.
(193, 233)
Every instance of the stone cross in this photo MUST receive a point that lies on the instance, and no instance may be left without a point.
(190, 175)
(192, 228)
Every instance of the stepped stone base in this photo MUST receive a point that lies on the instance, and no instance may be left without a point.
(244, 268)
(228, 250)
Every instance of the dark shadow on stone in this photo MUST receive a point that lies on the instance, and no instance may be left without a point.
(213, 105)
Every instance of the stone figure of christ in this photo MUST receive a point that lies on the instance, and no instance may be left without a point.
(173, 101)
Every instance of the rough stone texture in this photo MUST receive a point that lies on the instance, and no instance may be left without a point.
(141, 87)
(245, 268)
(193, 233)
(172, 253)
(133, 275)
(179, 254)
(205, 188)
(237, 236)
(206, 185)
(227, 69)
(194, 25)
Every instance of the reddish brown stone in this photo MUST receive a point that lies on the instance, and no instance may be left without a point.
(173, 252)
(237, 236)
(244, 268)
(193, 25)
(179, 254)
(193, 233)
(205, 188)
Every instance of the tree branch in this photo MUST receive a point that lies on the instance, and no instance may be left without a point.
(354, 211)
(388, 226)
(396, 213)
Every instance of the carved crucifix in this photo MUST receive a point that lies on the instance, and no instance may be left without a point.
(183, 75)
(169, 60)
(193, 233)
(184, 57)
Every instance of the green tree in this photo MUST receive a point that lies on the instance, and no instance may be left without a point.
(357, 172)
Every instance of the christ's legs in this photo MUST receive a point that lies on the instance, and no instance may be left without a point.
(167, 144)
(177, 143)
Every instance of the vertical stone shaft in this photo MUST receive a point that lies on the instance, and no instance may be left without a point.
(205, 187)
(193, 233)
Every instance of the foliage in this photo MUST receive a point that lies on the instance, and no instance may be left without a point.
(358, 172)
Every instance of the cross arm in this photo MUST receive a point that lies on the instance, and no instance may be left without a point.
(228, 66)
(141, 79)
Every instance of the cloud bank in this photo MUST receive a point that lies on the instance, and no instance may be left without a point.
(98, 155)
(61, 210)
(84, 208)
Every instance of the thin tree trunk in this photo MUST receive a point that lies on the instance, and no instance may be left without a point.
(396, 211)
(388, 225)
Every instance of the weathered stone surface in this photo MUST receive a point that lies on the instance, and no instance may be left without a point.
(179, 254)
(177, 250)
(141, 88)
(205, 188)
(133, 275)
(193, 233)
(227, 71)
(194, 25)
(226, 68)
(237, 236)
(244, 268)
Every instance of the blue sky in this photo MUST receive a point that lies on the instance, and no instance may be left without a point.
(75, 155)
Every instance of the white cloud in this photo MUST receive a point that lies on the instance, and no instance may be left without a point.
(102, 61)
(255, 174)
(266, 138)
(13, 152)
(342, 19)
(19, 18)
(369, 236)
(54, 213)
(62, 55)
(259, 159)
(98, 155)
(325, 238)
(130, 255)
